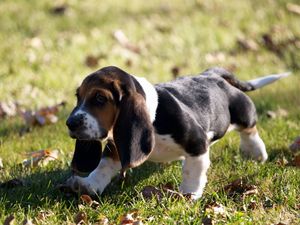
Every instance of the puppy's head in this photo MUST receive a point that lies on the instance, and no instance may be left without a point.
(111, 104)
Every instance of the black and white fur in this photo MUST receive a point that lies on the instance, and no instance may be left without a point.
(189, 114)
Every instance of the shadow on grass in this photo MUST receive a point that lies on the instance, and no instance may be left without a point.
(40, 189)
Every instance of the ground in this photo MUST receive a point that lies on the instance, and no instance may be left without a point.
(48, 47)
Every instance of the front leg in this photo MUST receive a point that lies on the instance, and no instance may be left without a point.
(194, 176)
(99, 178)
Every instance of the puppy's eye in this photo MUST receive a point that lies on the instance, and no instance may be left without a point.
(100, 99)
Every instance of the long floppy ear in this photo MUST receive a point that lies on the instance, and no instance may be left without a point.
(133, 131)
(86, 156)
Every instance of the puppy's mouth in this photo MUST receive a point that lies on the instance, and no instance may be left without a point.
(81, 135)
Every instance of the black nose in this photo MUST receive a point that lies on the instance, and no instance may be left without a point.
(74, 122)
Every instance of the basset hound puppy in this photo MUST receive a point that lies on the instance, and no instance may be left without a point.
(177, 120)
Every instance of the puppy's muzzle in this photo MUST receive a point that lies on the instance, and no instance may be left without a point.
(74, 123)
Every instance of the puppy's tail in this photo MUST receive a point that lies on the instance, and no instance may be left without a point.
(246, 86)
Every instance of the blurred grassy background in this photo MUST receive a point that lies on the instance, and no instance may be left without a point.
(48, 47)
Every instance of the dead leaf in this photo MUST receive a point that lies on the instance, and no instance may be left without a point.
(294, 8)
(102, 220)
(282, 161)
(43, 215)
(13, 183)
(91, 61)
(80, 218)
(252, 205)
(279, 113)
(43, 116)
(175, 70)
(149, 192)
(59, 9)
(124, 42)
(215, 57)
(130, 218)
(9, 109)
(10, 220)
(295, 146)
(207, 221)
(296, 161)
(41, 157)
(215, 208)
(86, 199)
(240, 187)
(247, 44)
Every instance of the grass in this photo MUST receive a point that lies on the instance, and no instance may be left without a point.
(43, 60)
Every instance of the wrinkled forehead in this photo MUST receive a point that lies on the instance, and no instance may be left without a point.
(94, 82)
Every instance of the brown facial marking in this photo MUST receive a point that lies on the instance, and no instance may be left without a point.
(106, 113)
(249, 131)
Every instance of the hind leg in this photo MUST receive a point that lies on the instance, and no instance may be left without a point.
(252, 146)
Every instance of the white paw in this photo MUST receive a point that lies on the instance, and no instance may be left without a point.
(84, 185)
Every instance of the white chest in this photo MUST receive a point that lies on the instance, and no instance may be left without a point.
(166, 150)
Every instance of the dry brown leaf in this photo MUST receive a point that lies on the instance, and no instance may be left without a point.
(102, 220)
(294, 8)
(207, 221)
(240, 187)
(279, 113)
(175, 70)
(43, 116)
(124, 42)
(43, 215)
(9, 109)
(295, 146)
(80, 218)
(40, 157)
(13, 183)
(149, 192)
(215, 57)
(130, 218)
(91, 61)
(296, 161)
(86, 199)
(215, 208)
(10, 220)
(247, 44)
(59, 9)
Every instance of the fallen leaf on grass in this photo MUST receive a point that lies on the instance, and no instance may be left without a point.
(175, 70)
(279, 113)
(240, 187)
(124, 42)
(10, 220)
(296, 161)
(86, 199)
(207, 221)
(149, 191)
(43, 116)
(9, 109)
(102, 220)
(131, 218)
(59, 9)
(13, 183)
(215, 208)
(80, 218)
(295, 146)
(41, 157)
(91, 61)
(294, 8)
(247, 44)
(215, 57)
(43, 215)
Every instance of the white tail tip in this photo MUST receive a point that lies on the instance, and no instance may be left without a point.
(263, 81)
